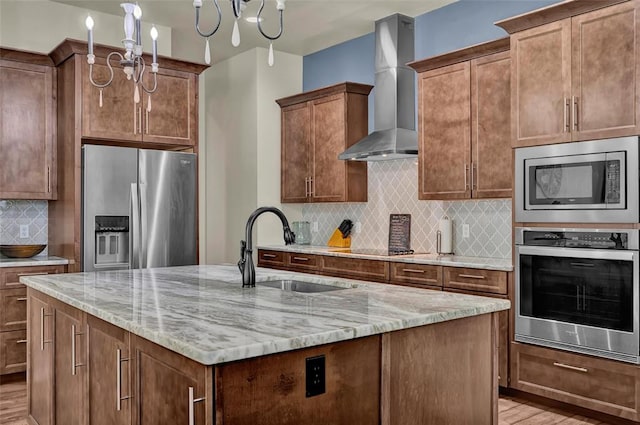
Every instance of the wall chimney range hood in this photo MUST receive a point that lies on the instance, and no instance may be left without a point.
(394, 135)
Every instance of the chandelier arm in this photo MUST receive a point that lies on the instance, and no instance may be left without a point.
(138, 77)
(267, 36)
(100, 85)
(237, 8)
(203, 34)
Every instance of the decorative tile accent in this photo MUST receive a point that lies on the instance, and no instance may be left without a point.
(393, 188)
(15, 213)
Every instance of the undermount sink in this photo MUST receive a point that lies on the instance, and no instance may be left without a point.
(299, 286)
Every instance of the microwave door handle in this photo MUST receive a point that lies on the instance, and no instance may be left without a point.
(595, 254)
(134, 240)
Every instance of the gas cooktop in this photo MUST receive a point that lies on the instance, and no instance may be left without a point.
(376, 252)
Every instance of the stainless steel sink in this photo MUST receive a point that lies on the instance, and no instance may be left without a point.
(299, 286)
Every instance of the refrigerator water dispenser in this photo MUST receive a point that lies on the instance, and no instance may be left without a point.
(112, 240)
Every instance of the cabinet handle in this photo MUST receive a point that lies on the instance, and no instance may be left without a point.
(140, 119)
(74, 365)
(473, 177)
(567, 127)
(575, 112)
(21, 299)
(471, 276)
(135, 120)
(466, 171)
(146, 121)
(48, 179)
(300, 259)
(119, 398)
(32, 274)
(42, 316)
(575, 368)
(311, 191)
(269, 255)
(413, 271)
(306, 187)
(192, 401)
(21, 341)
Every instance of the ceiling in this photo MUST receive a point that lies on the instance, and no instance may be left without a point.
(310, 25)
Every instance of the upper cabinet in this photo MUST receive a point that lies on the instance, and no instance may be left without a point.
(27, 126)
(316, 127)
(574, 72)
(168, 116)
(464, 128)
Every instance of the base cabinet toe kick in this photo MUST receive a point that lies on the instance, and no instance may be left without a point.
(83, 370)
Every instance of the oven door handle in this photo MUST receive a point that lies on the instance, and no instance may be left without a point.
(595, 254)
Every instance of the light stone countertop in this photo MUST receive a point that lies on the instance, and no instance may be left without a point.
(501, 264)
(38, 260)
(203, 313)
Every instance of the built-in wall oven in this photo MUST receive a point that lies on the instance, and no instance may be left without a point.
(577, 289)
(580, 182)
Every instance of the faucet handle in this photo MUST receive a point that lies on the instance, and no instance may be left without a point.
(243, 260)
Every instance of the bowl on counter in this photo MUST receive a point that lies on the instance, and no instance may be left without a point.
(21, 251)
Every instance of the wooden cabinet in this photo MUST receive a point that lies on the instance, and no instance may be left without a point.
(167, 116)
(355, 268)
(40, 364)
(419, 275)
(272, 259)
(306, 263)
(316, 127)
(574, 73)
(475, 280)
(598, 384)
(168, 385)
(109, 370)
(464, 129)
(27, 126)
(13, 315)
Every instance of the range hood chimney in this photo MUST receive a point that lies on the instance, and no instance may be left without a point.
(395, 134)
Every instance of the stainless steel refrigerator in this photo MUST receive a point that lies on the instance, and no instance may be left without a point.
(138, 208)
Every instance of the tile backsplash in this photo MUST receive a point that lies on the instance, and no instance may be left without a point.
(393, 189)
(14, 213)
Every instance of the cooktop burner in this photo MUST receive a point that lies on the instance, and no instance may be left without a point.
(377, 252)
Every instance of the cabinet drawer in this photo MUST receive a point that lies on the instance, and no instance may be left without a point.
(477, 280)
(13, 309)
(302, 262)
(416, 274)
(604, 385)
(355, 268)
(274, 259)
(13, 352)
(10, 276)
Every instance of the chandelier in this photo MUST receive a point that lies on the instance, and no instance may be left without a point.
(238, 6)
(132, 62)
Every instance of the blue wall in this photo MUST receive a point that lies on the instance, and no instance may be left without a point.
(457, 25)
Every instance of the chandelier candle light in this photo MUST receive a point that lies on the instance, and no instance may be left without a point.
(238, 7)
(132, 62)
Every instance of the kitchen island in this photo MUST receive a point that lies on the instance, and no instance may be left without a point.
(189, 345)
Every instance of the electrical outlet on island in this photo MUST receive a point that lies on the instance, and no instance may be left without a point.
(465, 230)
(24, 231)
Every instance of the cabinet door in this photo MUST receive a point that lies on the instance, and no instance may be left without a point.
(109, 374)
(40, 364)
(69, 364)
(166, 384)
(13, 309)
(605, 73)
(328, 131)
(119, 118)
(541, 84)
(491, 126)
(27, 131)
(445, 130)
(13, 352)
(171, 115)
(296, 137)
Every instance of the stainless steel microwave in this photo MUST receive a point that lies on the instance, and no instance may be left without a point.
(579, 182)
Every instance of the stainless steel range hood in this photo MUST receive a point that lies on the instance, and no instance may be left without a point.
(395, 134)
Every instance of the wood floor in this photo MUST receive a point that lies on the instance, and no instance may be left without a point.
(13, 409)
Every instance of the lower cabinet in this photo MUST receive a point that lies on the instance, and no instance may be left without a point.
(604, 385)
(84, 370)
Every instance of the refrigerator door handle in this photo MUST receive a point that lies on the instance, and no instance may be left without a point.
(134, 240)
(144, 235)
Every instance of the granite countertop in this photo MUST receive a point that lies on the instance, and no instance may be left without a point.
(500, 264)
(38, 260)
(203, 313)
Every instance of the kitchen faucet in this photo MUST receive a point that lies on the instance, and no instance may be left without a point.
(245, 264)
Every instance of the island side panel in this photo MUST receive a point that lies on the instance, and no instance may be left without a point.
(444, 373)
(271, 390)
